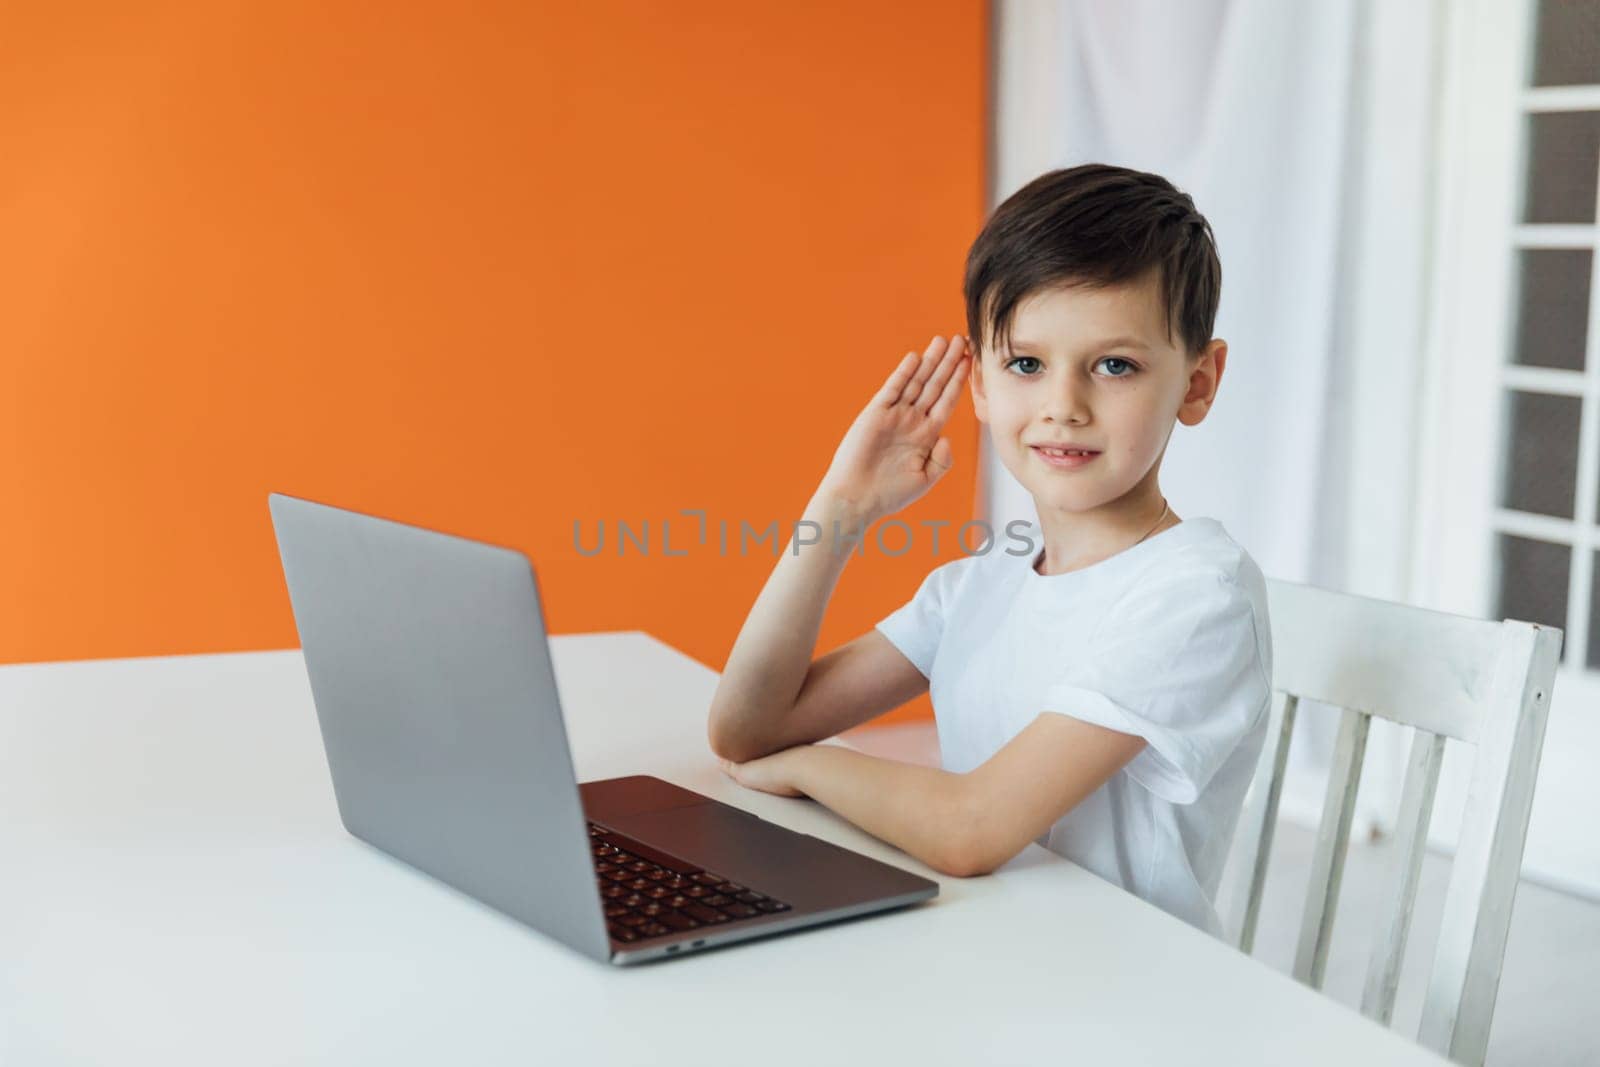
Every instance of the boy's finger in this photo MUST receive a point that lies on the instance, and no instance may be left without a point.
(933, 388)
(952, 392)
(889, 395)
(925, 369)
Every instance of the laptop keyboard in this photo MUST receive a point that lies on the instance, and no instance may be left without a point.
(649, 893)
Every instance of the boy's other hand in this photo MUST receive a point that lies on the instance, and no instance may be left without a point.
(770, 774)
(893, 453)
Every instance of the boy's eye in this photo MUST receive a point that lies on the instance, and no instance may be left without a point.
(1110, 366)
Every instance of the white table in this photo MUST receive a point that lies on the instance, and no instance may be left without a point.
(176, 888)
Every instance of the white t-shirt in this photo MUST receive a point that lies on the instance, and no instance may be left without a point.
(1167, 640)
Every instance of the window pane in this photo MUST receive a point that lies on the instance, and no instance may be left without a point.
(1594, 615)
(1567, 51)
(1541, 472)
(1563, 152)
(1533, 581)
(1553, 306)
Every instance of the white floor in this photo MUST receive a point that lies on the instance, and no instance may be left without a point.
(1550, 983)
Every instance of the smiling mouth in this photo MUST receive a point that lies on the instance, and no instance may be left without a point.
(1064, 458)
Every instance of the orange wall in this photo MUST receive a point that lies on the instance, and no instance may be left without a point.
(490, 269)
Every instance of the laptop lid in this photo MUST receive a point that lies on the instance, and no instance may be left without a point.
(431, 675)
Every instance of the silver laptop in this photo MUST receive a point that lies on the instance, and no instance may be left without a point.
(431, 675)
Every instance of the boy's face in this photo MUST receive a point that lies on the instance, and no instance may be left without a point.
(1092, 370)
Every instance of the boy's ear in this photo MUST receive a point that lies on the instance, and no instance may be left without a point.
(1203, 382)
(980, 403)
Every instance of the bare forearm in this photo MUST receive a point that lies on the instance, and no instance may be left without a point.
(922, 811)
(770, 657)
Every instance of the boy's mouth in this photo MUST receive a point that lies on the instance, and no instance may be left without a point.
(1064, 457)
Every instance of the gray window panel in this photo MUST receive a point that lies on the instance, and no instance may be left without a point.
(1541, 464)
(1563, 153)
(1552, 307)
(1533, 581)
(1566, 47)
(1593, 659)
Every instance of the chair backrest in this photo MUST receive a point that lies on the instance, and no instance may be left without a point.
(1483, 683)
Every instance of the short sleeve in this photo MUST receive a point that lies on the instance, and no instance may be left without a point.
(917, 626)
(1177, 662)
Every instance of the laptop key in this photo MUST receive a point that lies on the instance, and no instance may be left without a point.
(706, 878)
(655, 930)
(632, 919)
(716, 901)
(703, 913)
(749, 898)
(740, 911)
(679, 921)
(730, 888)
(645, 852)
(773, 906)
(621, 933)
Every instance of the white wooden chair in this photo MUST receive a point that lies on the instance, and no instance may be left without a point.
(1483, 683)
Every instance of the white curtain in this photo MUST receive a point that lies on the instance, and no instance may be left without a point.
(1303, 131)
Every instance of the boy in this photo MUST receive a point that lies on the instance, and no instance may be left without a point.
(1106, 696)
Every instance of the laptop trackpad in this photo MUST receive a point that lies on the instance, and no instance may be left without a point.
(795, 867)
(612, 798)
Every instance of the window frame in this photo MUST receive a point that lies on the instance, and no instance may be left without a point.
(1468, 369)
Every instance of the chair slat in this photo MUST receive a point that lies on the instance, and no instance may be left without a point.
(1260, 817)
(1333, 835)
(1343, 650)
(1459, 1005)
(1395, 909)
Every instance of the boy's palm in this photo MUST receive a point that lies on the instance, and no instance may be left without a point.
(893, 453)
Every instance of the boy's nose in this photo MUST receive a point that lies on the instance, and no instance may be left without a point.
(1066, 406)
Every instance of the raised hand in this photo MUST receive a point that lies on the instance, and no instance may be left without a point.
(893, 453)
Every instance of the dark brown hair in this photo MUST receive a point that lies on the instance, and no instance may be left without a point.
(1093, 225)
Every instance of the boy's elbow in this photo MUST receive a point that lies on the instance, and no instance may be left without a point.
(724, 743)
(730, 745)
(959, 866)
(723, 746)
(970, 859)
(968, 851)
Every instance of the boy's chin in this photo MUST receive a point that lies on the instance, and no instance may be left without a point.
(1075, 500)
(1068, 503)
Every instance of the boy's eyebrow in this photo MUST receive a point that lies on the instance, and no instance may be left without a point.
(1114, 342)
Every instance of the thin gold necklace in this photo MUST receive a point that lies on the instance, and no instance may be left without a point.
(1165, 507)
